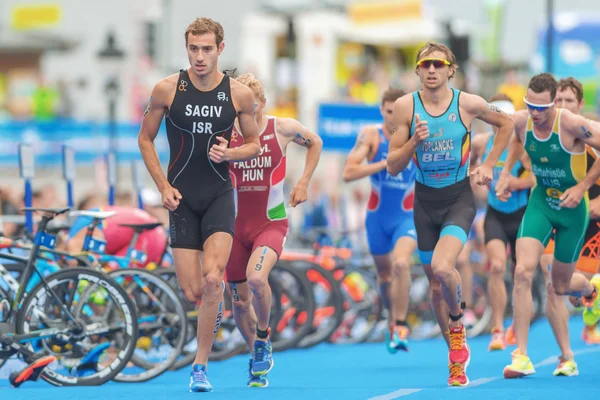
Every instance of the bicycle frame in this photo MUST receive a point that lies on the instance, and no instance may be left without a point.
(45, 240)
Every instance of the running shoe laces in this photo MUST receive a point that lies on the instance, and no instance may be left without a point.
(198, 375)
(457, 340)
(260, 351)
(456, 370)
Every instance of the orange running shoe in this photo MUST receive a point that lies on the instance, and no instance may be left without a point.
(458, 375)
(510, 338)
(497, 342)
(459, 350)
(591, 335)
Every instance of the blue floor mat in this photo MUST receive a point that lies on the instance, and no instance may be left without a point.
(364, 371)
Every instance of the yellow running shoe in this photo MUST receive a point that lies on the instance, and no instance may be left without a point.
(497, 342)
(566, 368)
(591, 312)
(521, 366)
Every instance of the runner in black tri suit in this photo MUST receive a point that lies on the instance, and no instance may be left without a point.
(200, 106)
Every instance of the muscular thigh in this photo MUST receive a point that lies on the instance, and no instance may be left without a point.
(535, 223)
(219, 216)
(570, 233)
(379, 242)
(184, 227)
(217, 249)
(493, 227)
(188, 267)
(459, 219)
(428, 226)
(238, 260)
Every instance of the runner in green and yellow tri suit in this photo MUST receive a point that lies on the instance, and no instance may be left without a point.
(555, 141)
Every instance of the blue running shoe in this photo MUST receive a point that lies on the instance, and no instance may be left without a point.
(397, 339)
(198, 380)
(262, 361)
(256, 381)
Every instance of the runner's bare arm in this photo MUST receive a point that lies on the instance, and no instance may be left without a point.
(515, 147)
(244, 103)
(589, 132)
(526, 179)
(478, 108)
(293, 131)
(354, 168)
(478, 146)
(515, 153)
(159, 103)
(402, 146)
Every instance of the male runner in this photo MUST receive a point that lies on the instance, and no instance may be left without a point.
(200, 105)
(569, 95)
(432, 126)
(390, 225)
(555, 140)
(261, 223)
(502, 220)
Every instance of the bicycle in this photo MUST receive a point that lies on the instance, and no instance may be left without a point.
(33, 323)
(162, 321)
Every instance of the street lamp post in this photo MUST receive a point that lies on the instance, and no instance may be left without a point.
(111, 58)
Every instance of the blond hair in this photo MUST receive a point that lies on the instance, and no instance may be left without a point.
(431, 47)
(202, 26)
(254, 84)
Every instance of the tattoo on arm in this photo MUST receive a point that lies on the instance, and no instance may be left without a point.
(360, 140)
(301, 140)
(586, 133)
(494, 108)
(148, 107)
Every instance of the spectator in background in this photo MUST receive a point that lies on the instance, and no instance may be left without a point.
(64, 106)
(7, 207)
(125, 198)
(44, 102)
(317, 208)
(513, 89)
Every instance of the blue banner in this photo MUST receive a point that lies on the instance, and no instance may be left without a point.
(339, 124)
(90, 141)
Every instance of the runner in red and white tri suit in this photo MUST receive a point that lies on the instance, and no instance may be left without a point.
(261, 223)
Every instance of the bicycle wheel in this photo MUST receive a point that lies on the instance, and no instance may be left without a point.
(85, 357)
(162, 324)
(329, 305)
(294, 307)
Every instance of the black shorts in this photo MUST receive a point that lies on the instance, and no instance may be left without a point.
(504, 227)
(442, 211)
(192, 224)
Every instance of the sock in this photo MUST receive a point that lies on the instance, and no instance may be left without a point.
(262, 334)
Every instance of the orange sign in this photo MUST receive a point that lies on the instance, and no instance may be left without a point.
(384, 11)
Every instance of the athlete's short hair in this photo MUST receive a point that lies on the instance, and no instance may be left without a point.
(544, 82)
(574, 84)
(391, 94)
(202, 26)
(254, 84)
(431, 47)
